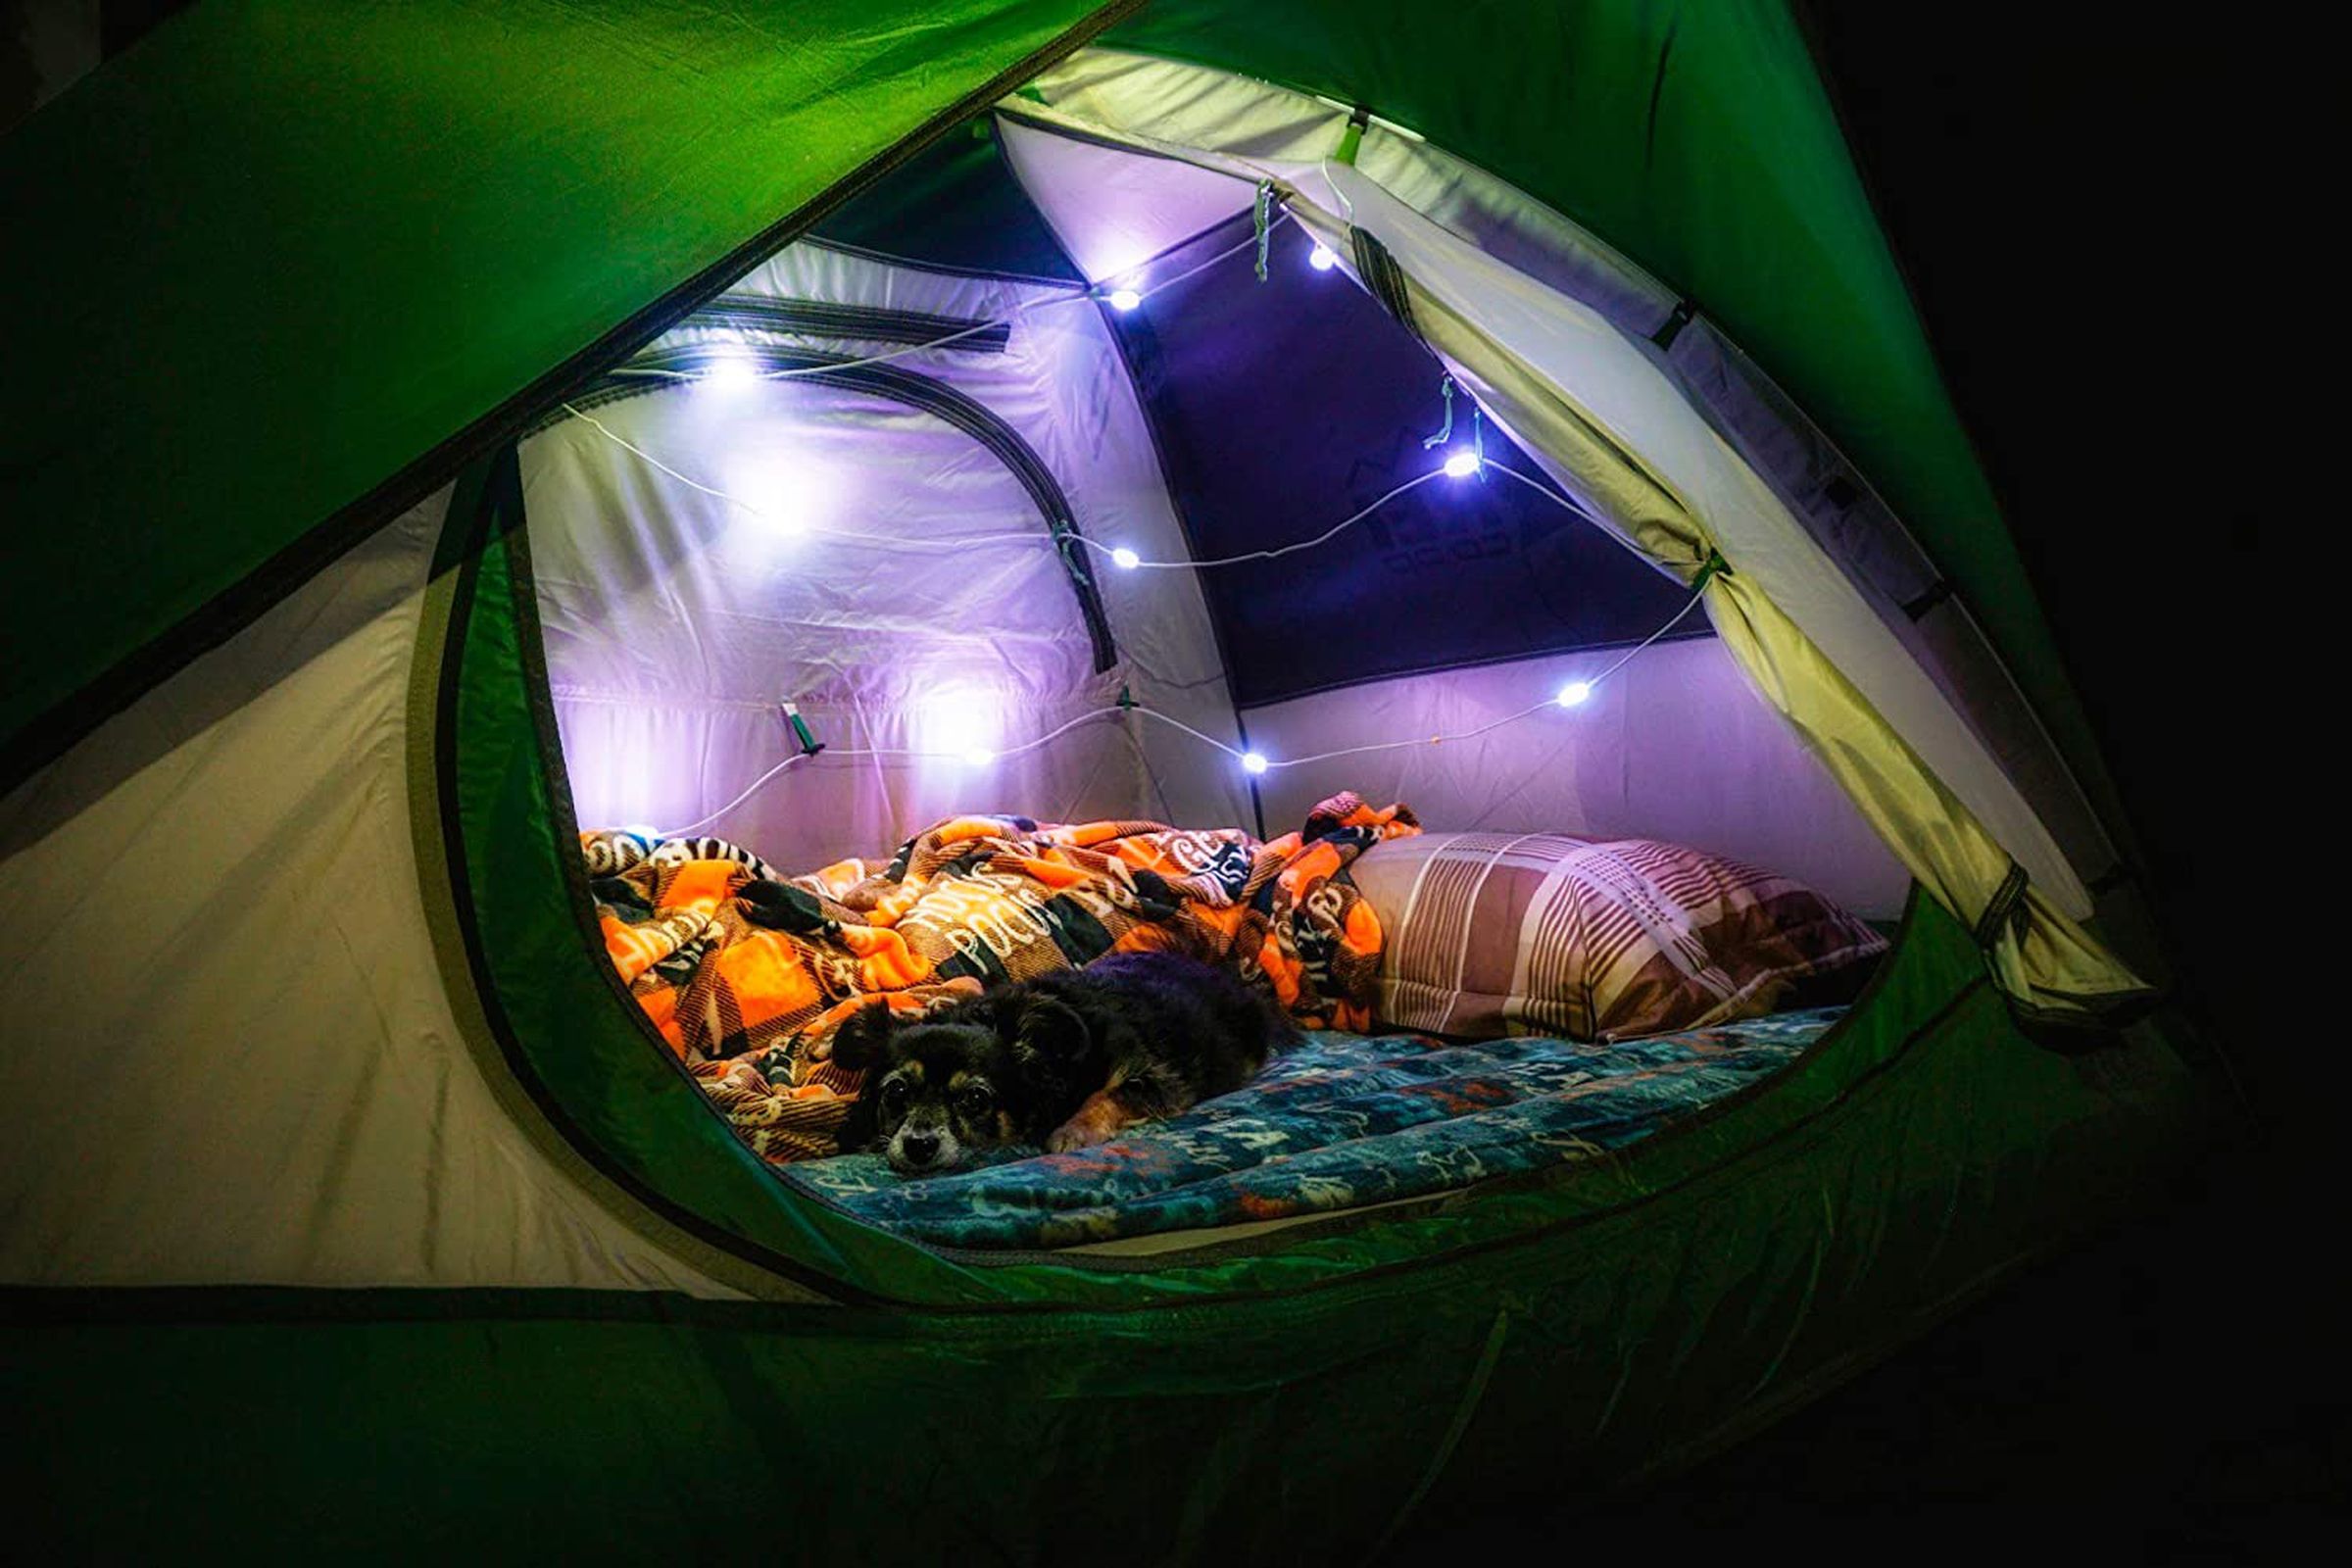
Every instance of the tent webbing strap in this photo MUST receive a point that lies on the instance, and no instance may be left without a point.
(1352, 139)
(2006, 900)
(1384, 278)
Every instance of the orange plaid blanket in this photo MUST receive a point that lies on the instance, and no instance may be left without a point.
(747, 974)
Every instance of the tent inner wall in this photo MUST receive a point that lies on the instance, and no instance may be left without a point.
(676, 620)
(875, 563)
(1673, 746)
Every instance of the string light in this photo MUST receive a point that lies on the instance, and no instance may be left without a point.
(1121, 556)
(738, 369)
(1252, 763)
(731, 372)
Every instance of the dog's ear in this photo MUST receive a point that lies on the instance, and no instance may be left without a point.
(1048, 1033)
(860, 1039)
(862, 1125)
(859, 1044)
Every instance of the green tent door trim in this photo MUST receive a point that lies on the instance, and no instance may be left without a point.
(621, 1095)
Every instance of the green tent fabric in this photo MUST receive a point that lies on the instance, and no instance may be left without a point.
(410, 1235)
(268, 336)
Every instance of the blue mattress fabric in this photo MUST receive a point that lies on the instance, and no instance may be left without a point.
(1342, 1121)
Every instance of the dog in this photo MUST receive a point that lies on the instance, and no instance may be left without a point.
(1066, 1060)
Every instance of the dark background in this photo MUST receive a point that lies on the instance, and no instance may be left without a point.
(2096, 211)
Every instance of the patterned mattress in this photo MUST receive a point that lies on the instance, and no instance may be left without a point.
(1343, 1121)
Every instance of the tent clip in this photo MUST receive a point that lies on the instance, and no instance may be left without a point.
(1712, 567)
(1261, 218)
(1354, 138)
(809, 744)
(1065, 544)
(1445, 431)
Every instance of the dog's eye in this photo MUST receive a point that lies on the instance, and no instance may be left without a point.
(973, 1100)
(893, 1096)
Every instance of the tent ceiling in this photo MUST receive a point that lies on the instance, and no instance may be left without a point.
(1699, 140)
(1285, 406)
(1113, 209)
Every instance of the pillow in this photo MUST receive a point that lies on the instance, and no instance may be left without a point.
(1495, 934)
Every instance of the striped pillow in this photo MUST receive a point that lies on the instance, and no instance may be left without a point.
(1495, 934)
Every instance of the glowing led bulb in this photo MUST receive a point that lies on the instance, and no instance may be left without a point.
(1461, 465)
(731, 373)
(1574, 692)
(1253, 762)
(1126, 557)
(1321, 259)
(1125, 299)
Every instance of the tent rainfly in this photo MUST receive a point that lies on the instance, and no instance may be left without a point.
(463, 426)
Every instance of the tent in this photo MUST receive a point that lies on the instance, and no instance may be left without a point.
(403, 477)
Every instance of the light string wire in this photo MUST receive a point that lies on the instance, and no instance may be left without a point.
(816, 530)
(756, 784)
(932, 546)
(1114, 553)
(1279, 551)
(1265, 764)
(1261, 229)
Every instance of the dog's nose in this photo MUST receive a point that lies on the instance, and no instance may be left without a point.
(918, 1148)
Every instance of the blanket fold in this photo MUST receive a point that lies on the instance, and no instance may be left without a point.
(748, 974)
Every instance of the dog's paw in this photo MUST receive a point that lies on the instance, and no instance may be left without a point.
(1074, 1135)
(1098, 1121)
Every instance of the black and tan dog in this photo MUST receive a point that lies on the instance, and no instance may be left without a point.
(1064, 1061)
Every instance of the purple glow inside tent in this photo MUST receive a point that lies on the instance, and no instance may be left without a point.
(896, 571)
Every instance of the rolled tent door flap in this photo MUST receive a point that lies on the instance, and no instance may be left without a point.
(1608, 425)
